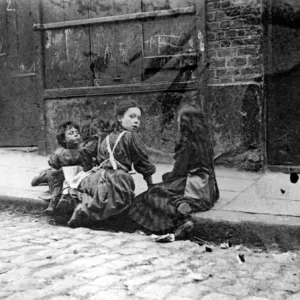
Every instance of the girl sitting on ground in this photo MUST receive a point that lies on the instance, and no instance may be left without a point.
(191, 187)
(108, 190)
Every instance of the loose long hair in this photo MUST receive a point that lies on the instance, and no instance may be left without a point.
(61, 131)
(192, 123)
(120, 111)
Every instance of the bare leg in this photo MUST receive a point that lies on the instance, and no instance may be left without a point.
(55, 179)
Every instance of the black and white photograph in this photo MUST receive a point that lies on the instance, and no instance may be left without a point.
(149, 149)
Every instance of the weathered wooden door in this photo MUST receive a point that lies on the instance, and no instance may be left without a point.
(283, 83)
(97, 52)
(19, 96)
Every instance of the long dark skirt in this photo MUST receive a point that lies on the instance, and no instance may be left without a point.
(156, 209)
(102, 195)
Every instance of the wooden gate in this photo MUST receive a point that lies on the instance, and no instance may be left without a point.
(20, 98)
(97, 52)
(92, 48)
(100, 43)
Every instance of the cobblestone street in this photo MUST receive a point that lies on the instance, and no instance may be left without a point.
(42, 261)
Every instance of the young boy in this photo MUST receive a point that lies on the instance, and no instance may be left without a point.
(69, 154)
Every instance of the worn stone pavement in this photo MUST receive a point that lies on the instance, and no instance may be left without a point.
(42, 261)
(261, 209)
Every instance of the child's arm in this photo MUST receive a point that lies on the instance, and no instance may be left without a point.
(54, 161)
(149, 180)
(64, 157)
(141, 161)
(88, 154)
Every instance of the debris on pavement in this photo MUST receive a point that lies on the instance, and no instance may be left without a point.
(199, 276)
(140, 232)
(201, 242)
(240, 258)
(294, 177)
(208, 249)
(166, 238)
(225, 245)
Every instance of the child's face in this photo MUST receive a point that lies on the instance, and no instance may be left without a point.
(72, 137)
(131, 120)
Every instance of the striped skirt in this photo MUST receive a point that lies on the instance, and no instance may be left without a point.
(156, 209)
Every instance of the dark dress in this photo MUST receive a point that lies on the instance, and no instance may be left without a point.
(156, 209)
(108, 192)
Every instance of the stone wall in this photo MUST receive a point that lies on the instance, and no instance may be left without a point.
(235, 113)
(235, 78)
(234, 36)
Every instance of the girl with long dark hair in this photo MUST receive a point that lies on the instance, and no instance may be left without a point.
(166, 207)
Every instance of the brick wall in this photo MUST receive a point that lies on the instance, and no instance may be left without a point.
(234, 36)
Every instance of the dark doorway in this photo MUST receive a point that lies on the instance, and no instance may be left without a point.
(283, 82)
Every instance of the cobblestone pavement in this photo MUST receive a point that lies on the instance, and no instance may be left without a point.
(42, 261)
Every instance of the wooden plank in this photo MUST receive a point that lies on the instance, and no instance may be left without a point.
(78, 44)
(168, 38)
(55, 59)
(12, 28)
(117, 89)
(67, 51)
(36, 15)
(67, 61)
(54, 44)
(118, 18)
(52, 11)
(77, 64)
(18, 113)
(3, 33)
(19, 100)
(129, 42)
(101, 8)
(126, 7)
(102, 37)
(151, 5)
(76, 10)
(26, 61)
(130, 52)
(104, 53)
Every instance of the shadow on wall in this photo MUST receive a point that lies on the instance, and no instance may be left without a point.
(283, 79)
(236, 125)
